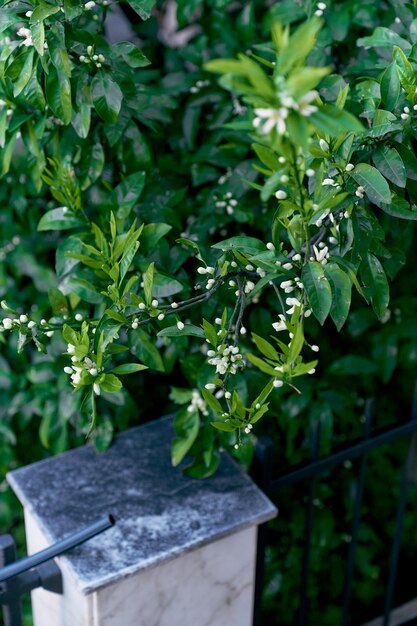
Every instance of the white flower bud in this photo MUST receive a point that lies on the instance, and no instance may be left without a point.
(180, 325)
(89, 5)
(210, 386)
(23, 319)
(315, 348)
(161, 316)
(155, 302)
(282, 160)
(310, 172)
(324, 145)
(242, 330)
(70, 348)
(29, 13)
(93, 371)
(270, 245)
(277, 383)
(68, 370)
(281, 194)
(90, 50)
(141, 306)
(7, 323)
(31, 324)
(82, 58)
(287, 266)
(284, 178)
(96, 389)
(349, 167)
(174, 305)
(311, 371)
(202, 270)
(78, 317)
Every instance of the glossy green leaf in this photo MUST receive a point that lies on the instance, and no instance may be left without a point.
(376, 284)
(390, 86)
(58, 219)
(390, 164)
(107, 97)
(318, 289)
(341, 287)
(374, 184)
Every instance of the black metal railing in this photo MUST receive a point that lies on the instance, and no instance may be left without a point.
(37, 570)
(310, 473)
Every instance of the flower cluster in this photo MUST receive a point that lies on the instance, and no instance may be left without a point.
(197, 403)
(97, 59)
(80, 365)
(199, 85)
(228, 202)
(267, 119)
(226, 358)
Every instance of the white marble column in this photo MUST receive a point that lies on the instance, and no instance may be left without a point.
(182, 551)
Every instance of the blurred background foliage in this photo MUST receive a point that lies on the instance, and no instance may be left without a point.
(191, 161)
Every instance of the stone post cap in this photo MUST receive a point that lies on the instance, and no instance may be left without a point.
(159, 512)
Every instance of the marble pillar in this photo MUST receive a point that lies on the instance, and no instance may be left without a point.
(182, 551)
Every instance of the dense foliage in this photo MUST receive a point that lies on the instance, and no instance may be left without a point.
(212, 205)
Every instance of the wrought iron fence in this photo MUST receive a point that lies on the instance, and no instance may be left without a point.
(310, 474)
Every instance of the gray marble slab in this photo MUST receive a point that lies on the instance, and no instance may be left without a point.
(160, 513)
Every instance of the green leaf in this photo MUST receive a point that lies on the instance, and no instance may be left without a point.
(296, 344)
(187, 425)
(265, 347)
(390, 86)
(42, 11)
(212, 402)
(144, 348)
(58, 301)
(384, 38)
(250, 245)
(58, 94)
(318, 289)
(127, 193)
(142, 7)
(58, 219)
(110, 383)
(341, 287)
(352, 365)
(400, 208)
(376, 284)
(128, 368)
(130, 54)
(332, 120)
(148, 283)
(374, 184)
(224, 426)
(20, 70)
(107, 97)
(391, 165)
(189, 330)
(151, 234)
(262, 365)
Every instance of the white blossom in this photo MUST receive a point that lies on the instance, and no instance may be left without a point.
(277, 383)
(96, 389)
(7, 323)
(270, 245)
(321, 255)
(349, 167)
(268, 119)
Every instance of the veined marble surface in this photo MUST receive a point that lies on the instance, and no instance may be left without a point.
(160, 513)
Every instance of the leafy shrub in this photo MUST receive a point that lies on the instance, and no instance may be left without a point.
(213, 212)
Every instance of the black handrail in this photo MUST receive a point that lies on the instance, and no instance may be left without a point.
(69, 542)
